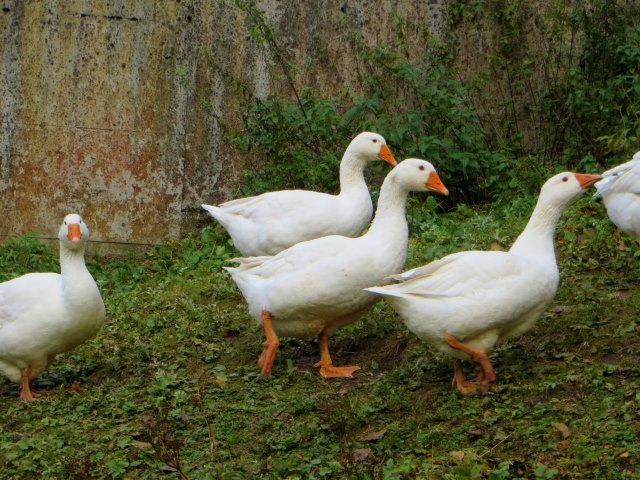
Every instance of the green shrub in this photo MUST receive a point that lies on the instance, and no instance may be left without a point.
(581, 109)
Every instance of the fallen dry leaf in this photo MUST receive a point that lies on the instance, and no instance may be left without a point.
(361, 454)
(231, 334)
(141, 445)
(457, 455)
(371, 436)
(562, 428)
(622, 294)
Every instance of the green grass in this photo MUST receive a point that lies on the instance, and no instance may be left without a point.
(171, 382)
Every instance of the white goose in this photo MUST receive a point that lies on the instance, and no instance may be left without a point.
(467, 302)
(44, 314)
(620, 192)
(315, 287)
(269, 223)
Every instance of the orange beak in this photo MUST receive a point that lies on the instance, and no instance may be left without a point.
(434, 184)
(386, 155)
(586, 180)
(73, 232)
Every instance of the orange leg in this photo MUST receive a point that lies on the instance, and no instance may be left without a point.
(268, 355)
(463, 385)
(327, 369)
(478, 356)
(479, 373)
(26, 394)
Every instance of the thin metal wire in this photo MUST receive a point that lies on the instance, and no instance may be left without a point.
(111, 242)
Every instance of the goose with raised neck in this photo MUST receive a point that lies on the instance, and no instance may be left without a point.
(315, 287)
(467, 302)
(45, 314)
(269, 223)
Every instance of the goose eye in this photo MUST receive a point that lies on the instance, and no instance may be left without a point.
(565, 179)
(65, 222)
(375, 140)
(421, 167)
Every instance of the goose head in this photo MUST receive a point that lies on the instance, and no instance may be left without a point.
(371, 146)
(418, 175)
(73, 233)
(562, 189)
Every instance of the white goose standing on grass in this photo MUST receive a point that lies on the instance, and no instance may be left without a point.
(45, 314)
(467, 302)
(269, 223)
(620, 192)
(315, 287)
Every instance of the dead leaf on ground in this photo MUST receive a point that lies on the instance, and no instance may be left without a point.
(372, 436)
(231, 334)
(141, 445)
(457, 455)
(361, 454)
(562, 428)
(622, 294)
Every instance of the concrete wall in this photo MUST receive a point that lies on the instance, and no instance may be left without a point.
(117, 109)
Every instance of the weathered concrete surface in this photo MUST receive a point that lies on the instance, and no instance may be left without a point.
(117, 109)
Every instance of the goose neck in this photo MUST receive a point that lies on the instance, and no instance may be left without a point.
(72, 262)
(352, 172)
(536, 240)
(390, 213)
